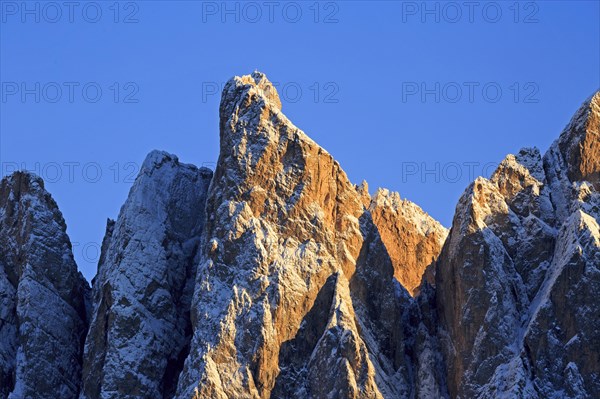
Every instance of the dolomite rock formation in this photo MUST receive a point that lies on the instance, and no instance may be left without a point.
(295, 294)
(278, 278)
(140, 328)
(43, 316)
(516, 278)
(412, 238)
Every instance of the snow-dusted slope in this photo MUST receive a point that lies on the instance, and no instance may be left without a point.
(140, 328)
(517, 277)
(43, 316)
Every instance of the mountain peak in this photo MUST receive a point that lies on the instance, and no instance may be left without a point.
(24, 181)
(249, 88)
(157, 158)
(412, 238)
(147, 267)
(43, 306)
(579, 143)
(282, 220)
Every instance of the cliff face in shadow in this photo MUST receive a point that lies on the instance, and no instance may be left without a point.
(43, 298)
(140, 327)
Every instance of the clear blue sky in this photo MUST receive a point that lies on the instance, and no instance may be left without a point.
(360, 78)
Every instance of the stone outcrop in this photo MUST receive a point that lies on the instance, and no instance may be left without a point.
(517, 274)
(43, 298)
(140, 327)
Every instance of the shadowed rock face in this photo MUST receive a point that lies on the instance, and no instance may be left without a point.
(140, 328)
(516, 277)
(43, 317)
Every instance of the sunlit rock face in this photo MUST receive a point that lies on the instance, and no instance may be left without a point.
(579, 146)
(43, 298)
(517, 274)
(295, 293)
(412, 238)
(140, 326)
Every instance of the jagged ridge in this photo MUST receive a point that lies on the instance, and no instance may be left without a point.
(282, 279)
(516, 277)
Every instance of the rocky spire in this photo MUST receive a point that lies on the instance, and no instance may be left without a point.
(295, 294)
(140, 328)
(579, 144)
(43, 316)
